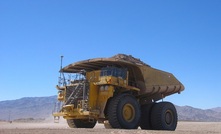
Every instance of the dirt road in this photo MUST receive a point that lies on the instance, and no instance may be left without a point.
(62, 128)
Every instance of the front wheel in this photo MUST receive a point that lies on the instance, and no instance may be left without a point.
(80, 123)
(164, 116)
(124, 112)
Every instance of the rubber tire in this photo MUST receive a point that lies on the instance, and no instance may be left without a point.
(158, 116)
(145, 122)
(71, 123)
(115, 112)
(80, 123)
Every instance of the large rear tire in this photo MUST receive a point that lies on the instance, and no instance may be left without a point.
(80, 123)
(145, 122)
(124, 112)
(164, 116)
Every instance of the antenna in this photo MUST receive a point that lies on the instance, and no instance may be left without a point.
(61, 60)
(62, 73)
(61, 64)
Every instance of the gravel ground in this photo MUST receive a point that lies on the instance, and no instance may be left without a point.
(62, 128)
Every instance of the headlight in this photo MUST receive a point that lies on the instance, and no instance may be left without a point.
(102, 88)
(106, 88)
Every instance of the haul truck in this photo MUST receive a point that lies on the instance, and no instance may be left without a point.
(120, 92)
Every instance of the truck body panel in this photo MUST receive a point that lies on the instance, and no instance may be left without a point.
(153, 83)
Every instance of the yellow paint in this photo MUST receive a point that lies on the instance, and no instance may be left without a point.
(101, 88)
(93, 95)
(105, 92)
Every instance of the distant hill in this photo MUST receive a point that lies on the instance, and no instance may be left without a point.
(28, 107)
(188, 113)
(217, 109)
(42, 107)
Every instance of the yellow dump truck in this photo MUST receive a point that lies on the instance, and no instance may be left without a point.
(120, 92)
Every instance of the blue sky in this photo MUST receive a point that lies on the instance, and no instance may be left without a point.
(182, 37)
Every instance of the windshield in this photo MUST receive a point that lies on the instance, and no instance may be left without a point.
(114, 71)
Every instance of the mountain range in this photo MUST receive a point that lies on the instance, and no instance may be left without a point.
(28, 107)
(42, 108)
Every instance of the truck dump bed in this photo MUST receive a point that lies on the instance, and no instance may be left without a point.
(153, 83)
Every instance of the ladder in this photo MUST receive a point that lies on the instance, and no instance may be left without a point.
(76, 93)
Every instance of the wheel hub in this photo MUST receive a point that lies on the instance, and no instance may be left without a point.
(128, 112)
(169, 117)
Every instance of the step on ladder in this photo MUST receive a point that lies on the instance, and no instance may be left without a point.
(57, 108)
(56, 119)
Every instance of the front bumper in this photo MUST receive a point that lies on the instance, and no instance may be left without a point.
(69, 112)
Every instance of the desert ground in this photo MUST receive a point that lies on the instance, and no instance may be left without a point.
(62, 128)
